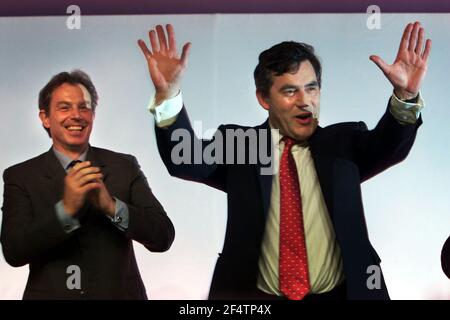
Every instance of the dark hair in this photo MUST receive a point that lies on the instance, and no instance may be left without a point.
(74, 77)
(281, 58)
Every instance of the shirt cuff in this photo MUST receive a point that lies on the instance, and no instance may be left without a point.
(166, 112)
(406, 112)
(121, 216)
(68, 223)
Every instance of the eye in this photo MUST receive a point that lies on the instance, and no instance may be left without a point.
(84, 107)
(64, 108)
(290, 92)
(312, 89)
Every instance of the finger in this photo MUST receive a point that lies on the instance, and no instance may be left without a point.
(185, 54)
(380, 63)
(90, 186)
(78, 166)
(427, 50)
(405, 37)
(162, 38)
(144, 49)
(86, 171)
(172, 41)
(419, 44)
(413, 37)
(153, 41)
(94, 177)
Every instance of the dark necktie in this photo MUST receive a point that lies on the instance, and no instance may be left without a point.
(293, 263)
(72, 163)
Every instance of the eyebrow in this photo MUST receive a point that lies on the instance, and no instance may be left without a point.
(313, 83)
(63, 103)
(86, 102)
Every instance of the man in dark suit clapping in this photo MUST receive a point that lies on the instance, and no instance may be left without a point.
(72, 212)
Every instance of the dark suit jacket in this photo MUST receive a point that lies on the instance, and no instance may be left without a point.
(344, 155)
(32, 234)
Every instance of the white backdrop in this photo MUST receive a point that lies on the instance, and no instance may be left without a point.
(407, 207)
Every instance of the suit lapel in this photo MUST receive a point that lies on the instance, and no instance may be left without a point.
(262, 170)
(97, 161)
(55, 174)
(323, 162)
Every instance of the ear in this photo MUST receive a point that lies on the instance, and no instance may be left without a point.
(263, 101)
(44, 118)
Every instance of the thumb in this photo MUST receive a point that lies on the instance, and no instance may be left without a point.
(185, 53)
(380, 63)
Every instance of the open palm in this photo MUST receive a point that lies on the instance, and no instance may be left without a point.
(409, 68)
(164, 64)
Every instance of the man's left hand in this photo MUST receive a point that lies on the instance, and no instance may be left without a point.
(101, 199)
(408, 70)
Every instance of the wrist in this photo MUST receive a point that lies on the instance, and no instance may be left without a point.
(69, 210)
(111, 211)
(160, 97)
(405, 95)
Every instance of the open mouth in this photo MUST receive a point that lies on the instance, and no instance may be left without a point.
(304, 118)
(75, 129)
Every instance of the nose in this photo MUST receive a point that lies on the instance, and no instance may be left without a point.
(75, 113)
(302, 99)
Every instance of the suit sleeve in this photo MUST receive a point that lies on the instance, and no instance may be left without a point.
(23, 237)
(148, 222)
(386, 145)
(183, 153)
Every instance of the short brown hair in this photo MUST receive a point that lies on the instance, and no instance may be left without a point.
(281, 58)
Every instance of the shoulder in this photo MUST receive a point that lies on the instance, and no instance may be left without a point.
(236, 127)
(338, 133)
(231, 126)
(27, 166)
(343, 127)
(108, 156)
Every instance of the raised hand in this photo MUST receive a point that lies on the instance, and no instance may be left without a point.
(409, 68)
(164, 64)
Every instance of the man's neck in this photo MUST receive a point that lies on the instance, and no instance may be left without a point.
(73, 154)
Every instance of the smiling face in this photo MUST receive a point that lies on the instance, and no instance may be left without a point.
(70, 118)
(290, 98)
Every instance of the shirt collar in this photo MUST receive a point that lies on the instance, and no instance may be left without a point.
(65, 160)
(277, 139)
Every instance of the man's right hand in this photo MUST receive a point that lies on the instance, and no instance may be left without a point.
(164, 64)
(80, 179)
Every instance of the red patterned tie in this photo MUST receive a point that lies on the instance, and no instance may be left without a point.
(293, 272)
